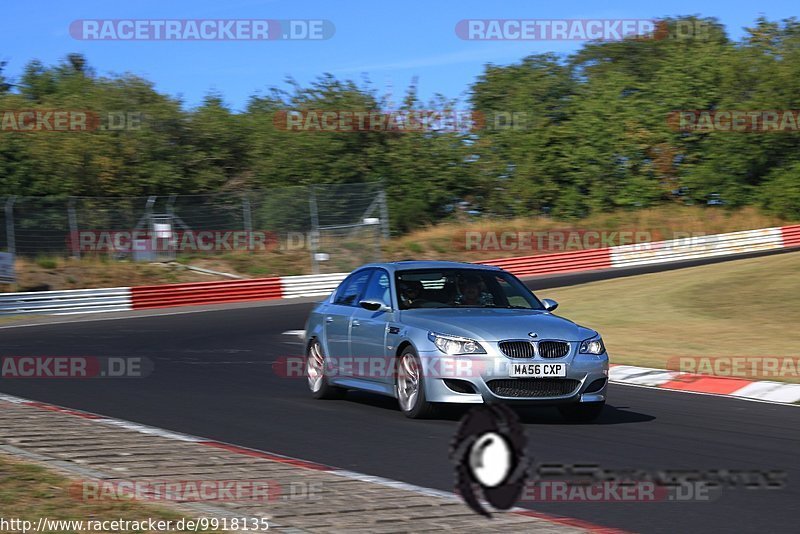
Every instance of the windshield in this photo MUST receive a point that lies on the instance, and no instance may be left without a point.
(462, 288)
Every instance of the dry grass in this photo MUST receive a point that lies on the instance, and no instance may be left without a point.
(29, 492)
(444, 241)
(448, 241)
(92, 272)
(742, 308)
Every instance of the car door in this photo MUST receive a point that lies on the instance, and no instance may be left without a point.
(337, 317)
(369, 330)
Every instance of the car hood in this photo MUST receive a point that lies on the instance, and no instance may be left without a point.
(496, 324)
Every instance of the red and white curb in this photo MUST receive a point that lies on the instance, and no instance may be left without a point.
(762, 390)
(296, 462)
(320, 285)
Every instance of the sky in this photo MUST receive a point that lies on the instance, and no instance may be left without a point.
(389, 43)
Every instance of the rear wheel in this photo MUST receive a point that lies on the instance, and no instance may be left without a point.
(410, 386)
(315, 371)
(582, 412)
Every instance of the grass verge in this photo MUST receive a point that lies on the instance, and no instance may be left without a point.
(737, 309)
(29, 492)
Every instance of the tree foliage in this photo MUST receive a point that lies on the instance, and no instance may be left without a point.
(595, 135)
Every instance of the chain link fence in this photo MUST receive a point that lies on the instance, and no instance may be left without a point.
(337, 227)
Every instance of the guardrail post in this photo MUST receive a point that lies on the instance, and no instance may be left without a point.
(247, 216)
(384, 214)
(378, 250)
(10, 237)
(313, 242)
(73, 228)
(173, 245)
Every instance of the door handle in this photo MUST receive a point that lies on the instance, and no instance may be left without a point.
(356, 322)
(329, 319)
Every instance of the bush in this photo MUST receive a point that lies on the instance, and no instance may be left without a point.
(46, 263)
(416, 248)
(780, 194)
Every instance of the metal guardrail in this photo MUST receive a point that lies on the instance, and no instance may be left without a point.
(691, 248)
(66, 302)
(561, 262)
(168, 295)
(791, 236)
(315, 285)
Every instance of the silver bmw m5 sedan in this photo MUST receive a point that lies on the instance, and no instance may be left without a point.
(429, 333)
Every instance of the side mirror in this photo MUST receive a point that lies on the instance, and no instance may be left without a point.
(374, 305)
(549, 304)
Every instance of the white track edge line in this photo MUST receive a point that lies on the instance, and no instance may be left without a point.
(722, 395)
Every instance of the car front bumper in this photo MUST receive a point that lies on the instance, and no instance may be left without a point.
(476, 372)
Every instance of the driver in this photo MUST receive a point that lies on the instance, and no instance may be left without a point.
(471, 291)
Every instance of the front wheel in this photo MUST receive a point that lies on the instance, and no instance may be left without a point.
(315, 371)
(582, 412)
(410, 386)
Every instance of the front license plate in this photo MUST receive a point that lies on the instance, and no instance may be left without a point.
(538, 370)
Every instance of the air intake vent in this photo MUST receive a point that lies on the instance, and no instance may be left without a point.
(533, 387)
(596, 386)
(459, 386)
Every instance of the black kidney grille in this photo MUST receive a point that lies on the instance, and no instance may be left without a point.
(516, 349)
(533, 387)
(553, 349)
(524, 349)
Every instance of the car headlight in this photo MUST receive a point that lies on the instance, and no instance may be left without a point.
(592, 345)
(454, 345)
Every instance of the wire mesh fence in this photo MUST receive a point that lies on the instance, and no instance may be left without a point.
(338, 226)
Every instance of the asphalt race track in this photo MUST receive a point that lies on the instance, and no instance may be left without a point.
(213, 377)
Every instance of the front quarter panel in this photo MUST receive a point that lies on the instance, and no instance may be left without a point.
(314, 324)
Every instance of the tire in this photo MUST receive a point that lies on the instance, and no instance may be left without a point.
(410, 386)
(582, 412)
(315, 373)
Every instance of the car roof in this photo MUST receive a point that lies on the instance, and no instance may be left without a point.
(419, 264)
